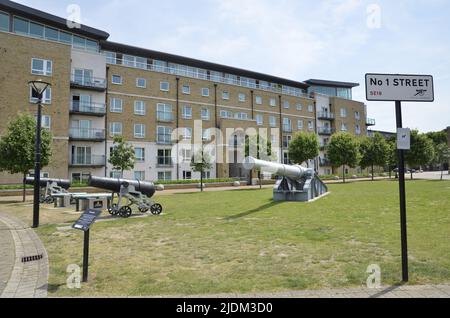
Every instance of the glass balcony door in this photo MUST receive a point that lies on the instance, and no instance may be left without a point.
(81, 155)
(84, 77)
(82, 127)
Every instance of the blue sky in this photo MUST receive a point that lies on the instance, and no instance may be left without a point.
(296, 39)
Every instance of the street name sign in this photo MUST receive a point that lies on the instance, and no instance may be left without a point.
(397, 87)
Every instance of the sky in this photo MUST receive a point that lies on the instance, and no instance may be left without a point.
(296, 39)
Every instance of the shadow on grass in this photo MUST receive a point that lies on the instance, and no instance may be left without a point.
(53, 288)
(250, 212)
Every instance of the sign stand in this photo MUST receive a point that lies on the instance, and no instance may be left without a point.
(86, 256)
(403, 221)
(398, 88)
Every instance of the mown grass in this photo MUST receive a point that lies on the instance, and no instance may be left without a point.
(241, 241)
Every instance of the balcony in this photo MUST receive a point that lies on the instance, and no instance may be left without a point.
(326, 116)
(91, 109)
(325, 163)
(88, 161)
(164, 139)
(323, 146)
(327, 131)
(164, 162)
(164, 117)
(88, 82)
(370, 122)
(287, 128)
(81, 134)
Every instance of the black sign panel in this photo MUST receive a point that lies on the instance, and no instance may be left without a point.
(98, 205)
(86, 220)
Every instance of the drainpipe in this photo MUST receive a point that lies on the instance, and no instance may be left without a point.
(281, 128)
(316, 162)
(253, 105)
(178, 123)
(216, 124)
(106, 123)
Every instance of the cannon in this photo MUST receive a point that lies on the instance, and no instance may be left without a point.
(50, 188)
(297, 183)
(134, 192)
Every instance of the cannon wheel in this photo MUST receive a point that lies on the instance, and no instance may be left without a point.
(143, 209)
(156, 209)
(49, 200)
(113, 210)
(125, 212)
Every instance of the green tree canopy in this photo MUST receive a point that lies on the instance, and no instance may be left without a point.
(438, 137)
(17, 146)
(374, 152)
(304, 147)
(442, 156)
(122, 156)
(201, 162)
(421, 152)
(343, 150)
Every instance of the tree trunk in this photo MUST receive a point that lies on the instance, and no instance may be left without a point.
(343, 173)
(412, 176)
(372, 174)
(260, 180)
(442, 172)
(24, 188)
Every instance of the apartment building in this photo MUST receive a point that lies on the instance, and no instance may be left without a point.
(101, 89)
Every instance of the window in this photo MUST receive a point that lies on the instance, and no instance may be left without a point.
(186, 133)
(273, 102)
(46, 96)
(205, 92)
(226, 114)
(186, 89)
(65, 37)
(139, 131)
(272, 121)
(259, 120)
(287, 125)
(286, 104)
(358, 129)
(299, 124)
(139, 108)
(242, 97)
(117, 79)
(139, 153)
(164, 112)
(139, 175)
(21, 26)
(141, 83)
(164, 86)
(116, 105)
(310, 125)
(205, 114)
(4, 22)
(344, 127)
(299, 107)
(226, 95)
(164, 175)
(258, 100)
(187, 112)
(357, 116)
(164, 135)
(41, 67)
(186, 154)
(115, 174)
(36, 30)
(343, 112)
(206, 134)
(164, 157)
(81, 178)
(79, 42)
(311, 108)
(286, 141)
(46, 121)
(206, 175)
(51, 34)
(115, 129)
(187, 175)
(241, 116)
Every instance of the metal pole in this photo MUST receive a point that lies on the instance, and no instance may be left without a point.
(37, 166)
(403, 221)
(86, 256)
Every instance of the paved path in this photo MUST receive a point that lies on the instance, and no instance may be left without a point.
(405, 291)
(435, 175)
(18, 279)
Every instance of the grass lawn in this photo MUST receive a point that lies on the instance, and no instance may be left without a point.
(241, 241)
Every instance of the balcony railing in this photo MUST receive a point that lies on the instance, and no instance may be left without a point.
(326, 116)
(287, 128)
(88, 161)
(325, 131)
(164, 162)
(164, 139)
(87, 134)
(88, 108)
(88, 82)
(370, 122)
(164, 117)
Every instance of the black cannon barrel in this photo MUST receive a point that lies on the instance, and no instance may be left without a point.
(65, 184)
(147, 188)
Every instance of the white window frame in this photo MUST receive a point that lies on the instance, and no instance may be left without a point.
(162, 108)
(272, 121)
(286, 104)
(310, 125)
(43, 72)
(205, 92)
(46, 121)
(113, 108)
(299, 107)
(226, 114)
(141, 134)
(357, 115)
(162, 89)
(141, 79)
(116, 76)
(187, 91)
(344, 127)
(208, 117)
(139, 159)
(142, 175)
(300, 124)
(166, 129)
(258, 100)
(344, 112)
(259, 120)
(46, 97)
(185, 114)
(186, 133)
(114, 133)
(226, 95)
(273, 102)
(143, 110)
(311, 108)
(242, 97)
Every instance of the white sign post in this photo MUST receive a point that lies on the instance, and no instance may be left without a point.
(398, 88)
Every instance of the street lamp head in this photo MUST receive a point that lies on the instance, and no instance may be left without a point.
(39, 86)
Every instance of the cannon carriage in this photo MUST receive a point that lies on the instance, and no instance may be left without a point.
(133, 192)
(50, 188)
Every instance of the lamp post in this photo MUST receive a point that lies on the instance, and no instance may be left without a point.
(39, 87)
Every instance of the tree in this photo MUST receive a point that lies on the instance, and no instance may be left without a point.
(263, 150)
(201, 162)
(442, 156)
(122, 156)
(439, 137)
(304, 147)
(343, 150)
(374, 152)
(17, 147)
(392, 157)
(421, 152)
